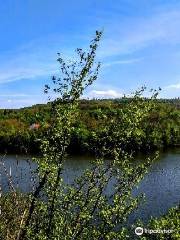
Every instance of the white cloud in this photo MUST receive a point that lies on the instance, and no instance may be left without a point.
(103, 94)
(173, 86)
(171, 91)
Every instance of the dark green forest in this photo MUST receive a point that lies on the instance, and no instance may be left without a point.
(20, 129)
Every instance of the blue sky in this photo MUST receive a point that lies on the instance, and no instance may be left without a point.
(140, 45)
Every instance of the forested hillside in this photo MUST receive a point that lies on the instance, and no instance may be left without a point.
(21, 128)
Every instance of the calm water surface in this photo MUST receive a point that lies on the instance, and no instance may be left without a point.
(161, 185)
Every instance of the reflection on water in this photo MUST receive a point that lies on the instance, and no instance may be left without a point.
(161, 185)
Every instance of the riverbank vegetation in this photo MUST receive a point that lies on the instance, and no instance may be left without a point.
(21, 129)
(84, 209)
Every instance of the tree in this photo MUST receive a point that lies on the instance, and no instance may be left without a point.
(83, 209)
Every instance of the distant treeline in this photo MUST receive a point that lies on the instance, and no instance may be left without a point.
(21, 129)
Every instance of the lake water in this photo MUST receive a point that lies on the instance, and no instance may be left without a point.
(161, 185)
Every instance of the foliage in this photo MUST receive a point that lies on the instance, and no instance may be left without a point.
(161, 128)
(13, 209)
(169, 222)
(83, 209)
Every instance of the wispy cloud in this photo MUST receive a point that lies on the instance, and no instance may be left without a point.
(14, 95)
(121, 62)
(170, 91)
(25, 73)
(19, 95)
(122, 36)
(103, 94)
(33, 60)
(173, 86)
(142, 32)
